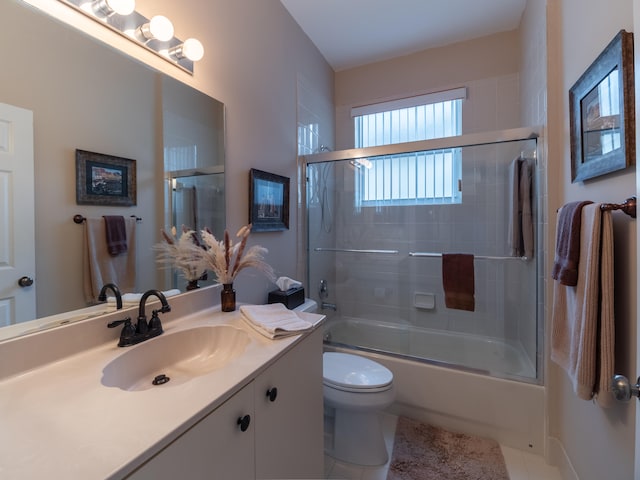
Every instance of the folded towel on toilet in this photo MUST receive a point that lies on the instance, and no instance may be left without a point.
(274, 320)
(134, 298)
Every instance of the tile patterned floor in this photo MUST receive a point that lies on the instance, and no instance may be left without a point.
(520, 465)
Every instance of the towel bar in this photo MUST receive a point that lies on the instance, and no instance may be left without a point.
(481, 257)
(79, 219)
(628, 207)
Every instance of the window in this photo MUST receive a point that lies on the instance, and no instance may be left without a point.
(413, 178)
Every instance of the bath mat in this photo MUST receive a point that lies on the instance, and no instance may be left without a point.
(425, 452)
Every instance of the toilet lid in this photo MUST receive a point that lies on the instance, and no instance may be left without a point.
(345, 370)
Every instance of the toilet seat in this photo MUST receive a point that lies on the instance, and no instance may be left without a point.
(353, 373)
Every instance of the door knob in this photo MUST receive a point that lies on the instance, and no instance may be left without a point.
(25, 281)
(623, 390)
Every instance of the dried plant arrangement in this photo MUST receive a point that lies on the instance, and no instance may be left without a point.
(181, 253)
(225, 259)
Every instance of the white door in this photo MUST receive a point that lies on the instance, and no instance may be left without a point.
(17, 212)
(636, 55)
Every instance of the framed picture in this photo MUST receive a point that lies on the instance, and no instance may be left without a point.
(268, 201)
(602, 113)
(105, 179)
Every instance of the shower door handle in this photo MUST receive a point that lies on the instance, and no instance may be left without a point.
(623, 390)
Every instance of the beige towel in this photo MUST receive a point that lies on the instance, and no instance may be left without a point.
(520, 222)
(100, 267)
(274, 320)
(582, 335)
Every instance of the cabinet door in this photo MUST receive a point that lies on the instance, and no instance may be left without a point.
(289, 429)
(215, 448)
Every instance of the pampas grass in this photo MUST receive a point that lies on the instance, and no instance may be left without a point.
(225, 259)
(181, 253)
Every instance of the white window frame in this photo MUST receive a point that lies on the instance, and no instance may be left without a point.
(399, 183)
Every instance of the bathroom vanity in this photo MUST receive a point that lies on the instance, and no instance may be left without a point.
(254, 411)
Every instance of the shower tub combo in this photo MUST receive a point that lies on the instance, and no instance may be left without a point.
(376, 268)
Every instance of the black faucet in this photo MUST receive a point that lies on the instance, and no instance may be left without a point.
(131, 335)
(154, 324)
(116, 291)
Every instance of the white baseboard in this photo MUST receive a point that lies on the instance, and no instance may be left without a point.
(557, 456)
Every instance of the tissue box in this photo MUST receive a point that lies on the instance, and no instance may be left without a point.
(290, 298)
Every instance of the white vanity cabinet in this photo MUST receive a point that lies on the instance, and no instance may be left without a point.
(214, 448)
(289, 429)
(284, 438)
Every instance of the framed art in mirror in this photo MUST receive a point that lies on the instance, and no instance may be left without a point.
(105, 180)
(268, 201)
(602, 113)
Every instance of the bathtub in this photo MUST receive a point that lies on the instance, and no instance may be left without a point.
(490, 356)
(463, 396)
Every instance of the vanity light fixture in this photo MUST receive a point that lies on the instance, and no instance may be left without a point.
(155, 34)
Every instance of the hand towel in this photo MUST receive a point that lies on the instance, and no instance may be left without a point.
(582, 333)
(567, 257)
(116, 234)
(458, 281)
(100, 268)
(134, 298)
(274, 320)
(520, 222)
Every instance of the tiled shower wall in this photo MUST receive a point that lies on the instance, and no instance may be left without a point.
(315, 121)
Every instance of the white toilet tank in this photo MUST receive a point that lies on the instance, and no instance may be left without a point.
(309, 306)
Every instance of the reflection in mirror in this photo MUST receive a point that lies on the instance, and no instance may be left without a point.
(193, 143)
(601, 118)
(86, 95)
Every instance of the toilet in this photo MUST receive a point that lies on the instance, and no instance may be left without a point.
(355, 389)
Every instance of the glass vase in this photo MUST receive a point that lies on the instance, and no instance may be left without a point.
(228, 298)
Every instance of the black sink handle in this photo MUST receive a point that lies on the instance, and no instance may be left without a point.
(126, 322)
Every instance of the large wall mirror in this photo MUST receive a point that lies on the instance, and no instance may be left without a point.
(86, 95)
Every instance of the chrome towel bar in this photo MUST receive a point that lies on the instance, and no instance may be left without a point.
(480, 257)
(354, 250)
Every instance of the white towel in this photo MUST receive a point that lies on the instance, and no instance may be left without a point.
(101, 268)
(134, 298)
(582, 335)
(274, 320)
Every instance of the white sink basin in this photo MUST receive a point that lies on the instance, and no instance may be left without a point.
(180, 356)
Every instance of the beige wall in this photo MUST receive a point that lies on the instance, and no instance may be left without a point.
(598, 442)
(488, 66)
(254, 56)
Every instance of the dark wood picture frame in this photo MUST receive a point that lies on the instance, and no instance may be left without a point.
(602, 113)
(105, 180)
(268, 201)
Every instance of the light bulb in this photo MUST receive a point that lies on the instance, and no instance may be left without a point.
(191, 49)
(122, 7)
(109, 7)
(161, 28)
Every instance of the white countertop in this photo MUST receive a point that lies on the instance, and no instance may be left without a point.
(59, 421)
